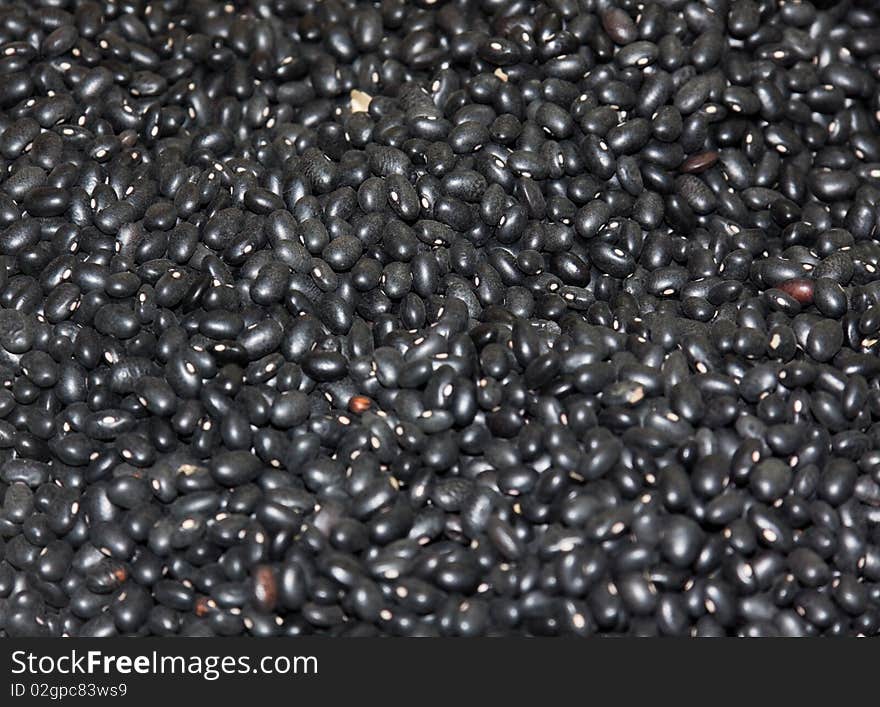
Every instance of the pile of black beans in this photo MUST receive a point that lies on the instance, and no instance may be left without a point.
(439, 317)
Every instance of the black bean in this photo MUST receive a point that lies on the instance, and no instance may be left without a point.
(571, 314)
(619, 26)
(824, 340)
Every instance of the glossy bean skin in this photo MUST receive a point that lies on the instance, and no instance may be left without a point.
(535, 319)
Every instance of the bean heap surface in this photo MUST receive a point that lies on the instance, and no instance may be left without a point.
(497, 317)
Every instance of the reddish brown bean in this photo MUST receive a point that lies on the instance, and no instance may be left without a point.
(800, 288)
(699, 162)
